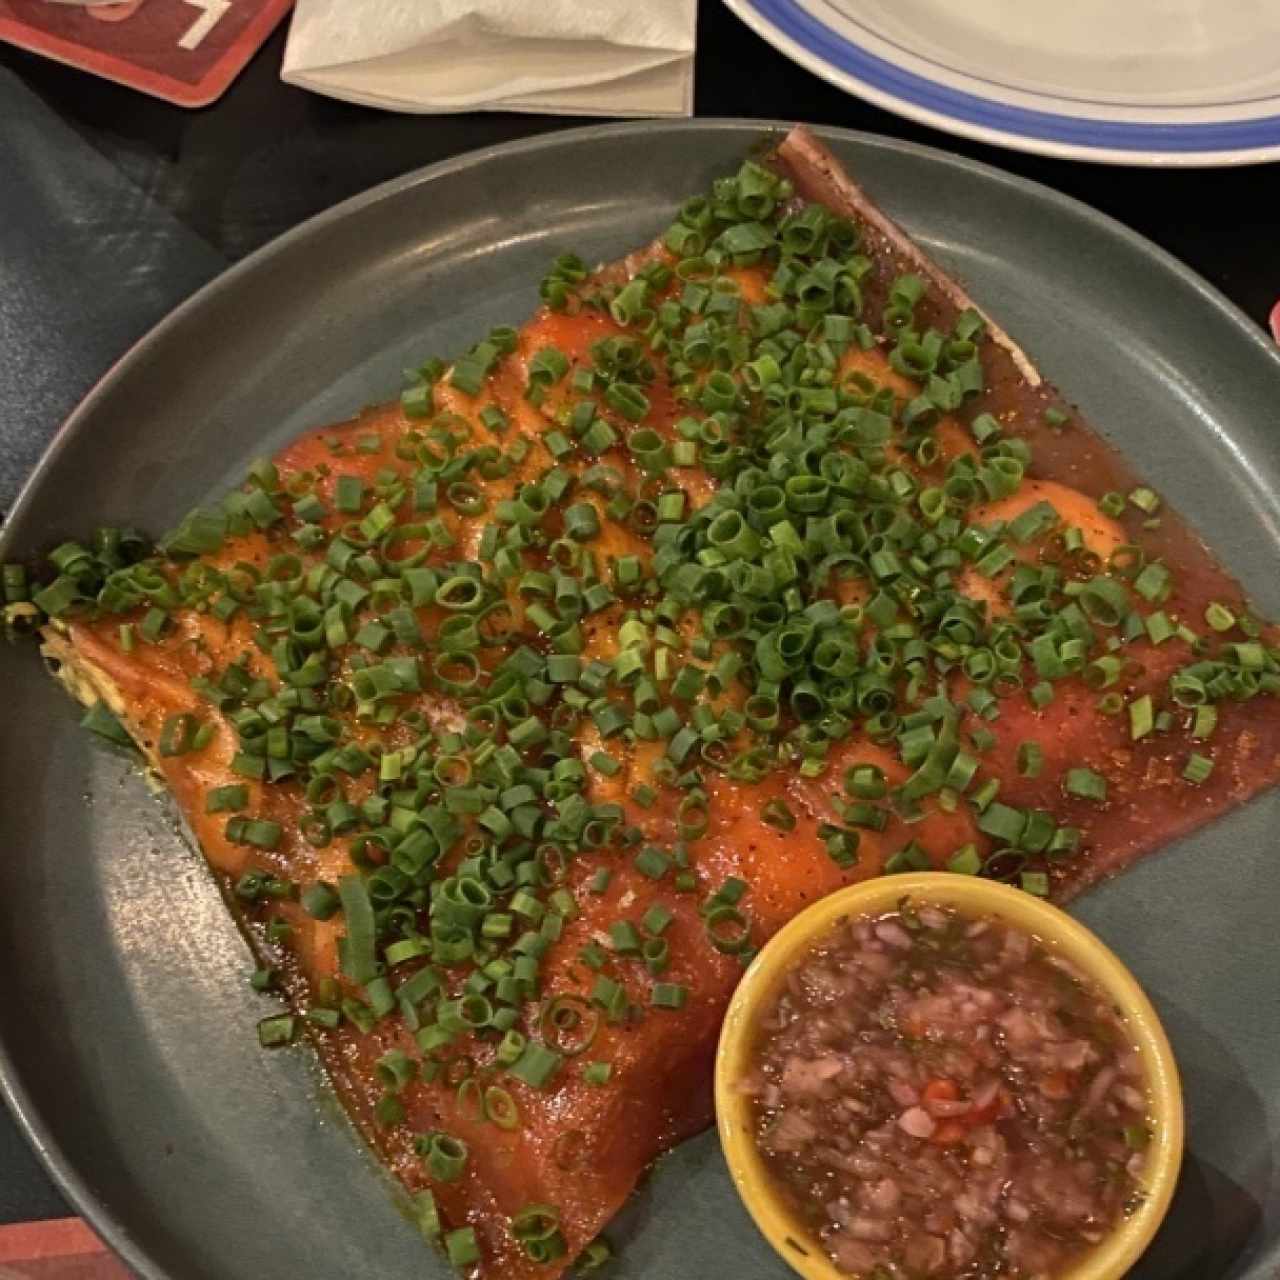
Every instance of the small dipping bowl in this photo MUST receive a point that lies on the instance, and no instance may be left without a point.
(786, 1232)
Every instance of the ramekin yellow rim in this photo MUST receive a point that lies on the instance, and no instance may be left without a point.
(782, 1228)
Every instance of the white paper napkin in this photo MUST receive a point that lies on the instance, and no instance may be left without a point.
(570, 57)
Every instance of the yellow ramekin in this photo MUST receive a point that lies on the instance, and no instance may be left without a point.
(1111, 1259)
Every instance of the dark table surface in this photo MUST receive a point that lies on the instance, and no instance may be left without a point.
(114, 206)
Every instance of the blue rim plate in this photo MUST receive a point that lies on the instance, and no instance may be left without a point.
(1122, 108)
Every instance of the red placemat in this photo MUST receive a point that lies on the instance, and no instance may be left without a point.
(60, 1249)
(185, 51)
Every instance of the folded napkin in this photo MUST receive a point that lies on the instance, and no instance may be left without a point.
(567, 57)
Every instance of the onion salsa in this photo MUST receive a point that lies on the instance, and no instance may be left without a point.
(942, 1095)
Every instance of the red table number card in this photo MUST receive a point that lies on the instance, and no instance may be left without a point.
(185, 51)
(61, 1249)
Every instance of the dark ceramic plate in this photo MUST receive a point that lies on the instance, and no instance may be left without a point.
(126, 1021)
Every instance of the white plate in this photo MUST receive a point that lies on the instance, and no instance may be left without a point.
(1151, 82)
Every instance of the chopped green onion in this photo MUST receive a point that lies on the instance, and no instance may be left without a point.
(359, 962)
(597, 1073)
(444, 1156)
(1219, 617)
(426, 1215)
(1086, 784)
(668, 995)
(1141, 717)
(1034, 882)
(461, 1248)
(277, 1031)
(320, 900)
(536, 1065)
(98, 719)
(1206, 720)
(624, 937)
(1198, 768)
